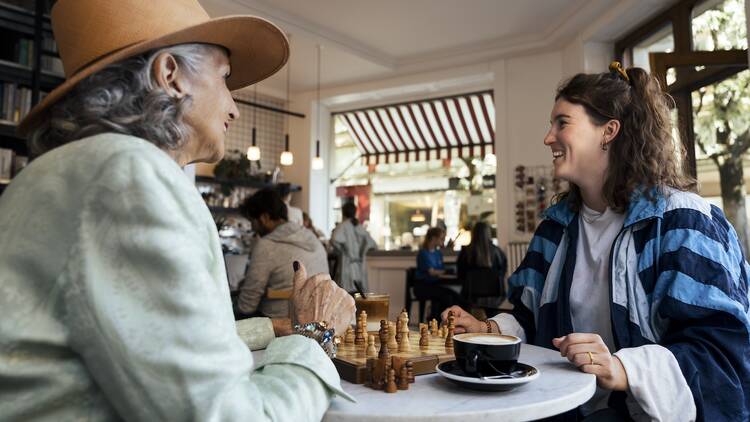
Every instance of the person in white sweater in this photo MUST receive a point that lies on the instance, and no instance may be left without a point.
(281, 242)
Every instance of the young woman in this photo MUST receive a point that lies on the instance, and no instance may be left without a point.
(429, 269)
(634, 278)
(481, 253)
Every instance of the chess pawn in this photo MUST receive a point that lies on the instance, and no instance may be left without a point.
(424, 339)
(434, 327)
(371, 352)
(403, 379)
(390, 385)
(410, 370)
(392, 343)
(349, 337)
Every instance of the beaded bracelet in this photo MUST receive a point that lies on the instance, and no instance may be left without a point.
(489, 326)
(319, 332)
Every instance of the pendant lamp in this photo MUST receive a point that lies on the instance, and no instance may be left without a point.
(253, 152)
(317, 162)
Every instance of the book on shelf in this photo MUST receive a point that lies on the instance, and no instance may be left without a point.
(11, 164)
(16, 102)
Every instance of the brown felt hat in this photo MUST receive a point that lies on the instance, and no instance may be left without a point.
(92, 34)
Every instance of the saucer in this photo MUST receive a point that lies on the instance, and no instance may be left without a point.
(521, 374)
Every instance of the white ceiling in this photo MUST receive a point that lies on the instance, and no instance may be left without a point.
(365, 40)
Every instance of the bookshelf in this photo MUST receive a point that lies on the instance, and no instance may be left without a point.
(29, 68)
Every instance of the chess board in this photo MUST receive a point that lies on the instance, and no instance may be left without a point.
(351, 360)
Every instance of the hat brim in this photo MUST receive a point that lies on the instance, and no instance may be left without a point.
(257, 49)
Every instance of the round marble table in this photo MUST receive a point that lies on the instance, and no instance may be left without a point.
(559, 388)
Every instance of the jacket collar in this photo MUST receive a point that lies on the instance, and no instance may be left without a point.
(642, 207)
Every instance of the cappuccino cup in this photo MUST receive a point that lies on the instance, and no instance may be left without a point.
(485, 354)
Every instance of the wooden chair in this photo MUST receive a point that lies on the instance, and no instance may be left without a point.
(282, 294)
(411, 296)
(482, 282)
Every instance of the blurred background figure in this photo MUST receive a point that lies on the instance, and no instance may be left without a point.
(281, 243)
(479, 256)
(350, 242)
(308, 224)
(294, 214)
(430, 269)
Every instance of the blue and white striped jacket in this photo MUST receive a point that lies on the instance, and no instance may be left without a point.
(678, 278)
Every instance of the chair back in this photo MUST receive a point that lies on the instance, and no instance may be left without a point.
(482, 282)
(282, 294)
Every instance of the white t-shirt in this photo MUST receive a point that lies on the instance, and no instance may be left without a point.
(589, 289)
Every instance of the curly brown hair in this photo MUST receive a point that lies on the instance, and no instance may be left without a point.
(643, 155)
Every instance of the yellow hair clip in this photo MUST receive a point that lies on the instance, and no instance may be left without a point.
(616, 67)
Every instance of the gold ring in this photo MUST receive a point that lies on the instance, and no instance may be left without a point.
(591, 357)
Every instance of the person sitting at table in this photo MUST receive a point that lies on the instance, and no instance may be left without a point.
(280, 243)
(294, 214)
(631, 275)
(430, 268)
(114, 296)
(351, 242)
(482, 253)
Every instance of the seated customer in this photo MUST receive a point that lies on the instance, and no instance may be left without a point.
(281, 243)
(429, 269)
(481, 253)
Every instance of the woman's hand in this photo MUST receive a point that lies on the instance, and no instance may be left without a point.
(464, 321)
(589, 353)
(319, 298)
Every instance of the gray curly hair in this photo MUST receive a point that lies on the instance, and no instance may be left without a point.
(124, 98)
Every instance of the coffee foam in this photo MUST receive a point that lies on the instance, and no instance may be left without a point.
(486, 339)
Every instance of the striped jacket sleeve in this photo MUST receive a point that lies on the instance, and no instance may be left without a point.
(527, 282)
(701, 288)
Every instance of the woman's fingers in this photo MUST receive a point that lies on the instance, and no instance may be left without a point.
(457, 312)
(564, 342)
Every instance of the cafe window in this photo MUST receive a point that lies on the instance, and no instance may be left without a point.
(415, 165)
(706, 75)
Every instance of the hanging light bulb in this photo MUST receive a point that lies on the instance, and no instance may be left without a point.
(253, 152)
(417, 217)
(286, 159)
(317, 162)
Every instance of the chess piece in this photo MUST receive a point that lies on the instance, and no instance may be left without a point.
(434, 327)
(383, 334)
(451, 330)
(403, 379)
(349, 337)
(361, 331)
(410, 370)
(392, 343)
(371, 351)
(403, 344)
(424, 339)
(390, 385)
(370, 366)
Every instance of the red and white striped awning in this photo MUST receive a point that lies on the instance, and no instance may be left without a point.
(447, 127)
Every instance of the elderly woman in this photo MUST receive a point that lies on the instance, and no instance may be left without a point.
(113, 289)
